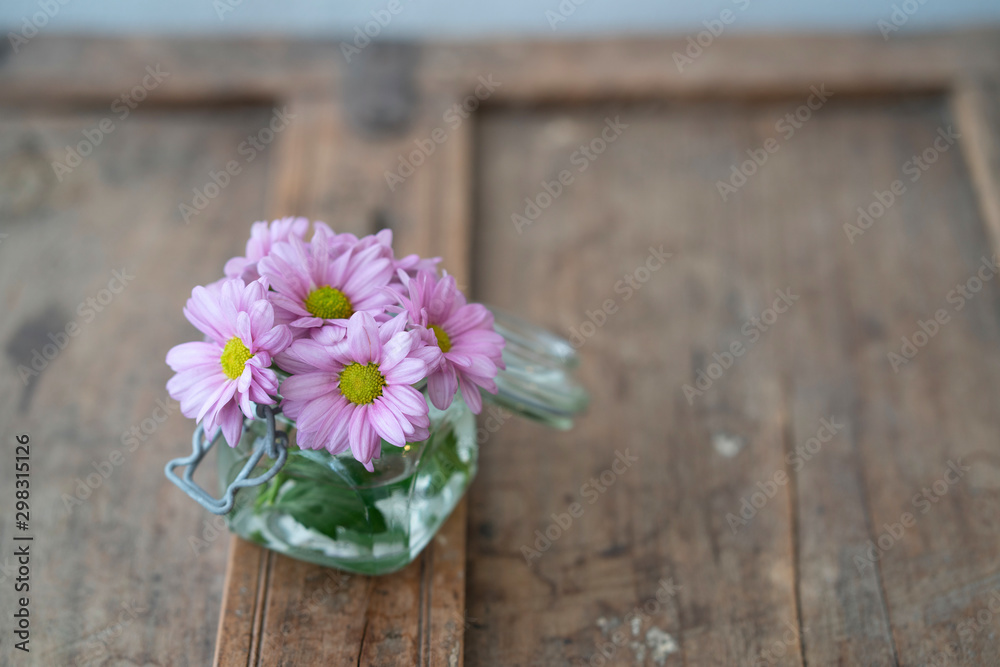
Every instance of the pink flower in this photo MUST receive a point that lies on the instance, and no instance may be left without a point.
(218, 378)
(414, 264)
(471, 349)
(262, 238)
(410, 264)
(316, 285)
(355, 392)
(337, 243)
(383, 238)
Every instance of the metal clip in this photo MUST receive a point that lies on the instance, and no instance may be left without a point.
(275, 446)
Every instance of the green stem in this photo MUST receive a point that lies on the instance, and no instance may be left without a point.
(270, 494)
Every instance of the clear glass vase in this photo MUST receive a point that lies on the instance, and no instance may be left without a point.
(329, 510)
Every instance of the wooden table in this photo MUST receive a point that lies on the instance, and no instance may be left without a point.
(768, 474)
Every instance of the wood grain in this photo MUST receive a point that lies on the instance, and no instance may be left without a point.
(657, 545)
(664, 518)
(127, 541)
(976, 107)
(844, 609)
(281, 611)
(97, 70)
(827, 360)
(932, 413)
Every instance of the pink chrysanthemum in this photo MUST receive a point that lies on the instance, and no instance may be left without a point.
(337, 243)
(354, 393)
(315, 286)
(218, 378)
(472, 350)
(414, 264)
(263, 236)
(411, 264)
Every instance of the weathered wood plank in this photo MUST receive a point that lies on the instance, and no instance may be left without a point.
(843, 609)
(788, 570)
(926, 415)
(114, 576)
(976, 106)
(664, 518)
(312, 613)
(431, 214)
(237, 636)
(53, 68)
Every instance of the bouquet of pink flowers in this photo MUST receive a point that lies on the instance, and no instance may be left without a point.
(340, 334)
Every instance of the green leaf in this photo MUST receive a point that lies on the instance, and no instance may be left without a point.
(446, 462)
(325, 508)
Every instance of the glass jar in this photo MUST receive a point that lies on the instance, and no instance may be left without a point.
(329, 510)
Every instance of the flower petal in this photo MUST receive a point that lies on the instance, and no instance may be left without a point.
(306, 386)
(408, 400)
(471, 395)
(442, 385)
(231, 422)
(396, 349)
(362, 338)
(363, 437)
(407, 371)
(385, 423)
(187, 355)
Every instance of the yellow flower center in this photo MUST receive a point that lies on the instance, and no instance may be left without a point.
(443, 341)
(235, 356)
(329, 303)
(361, 384)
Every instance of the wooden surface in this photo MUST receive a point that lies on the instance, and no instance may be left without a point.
(125, 542)
(411, 617)
(652, 571)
